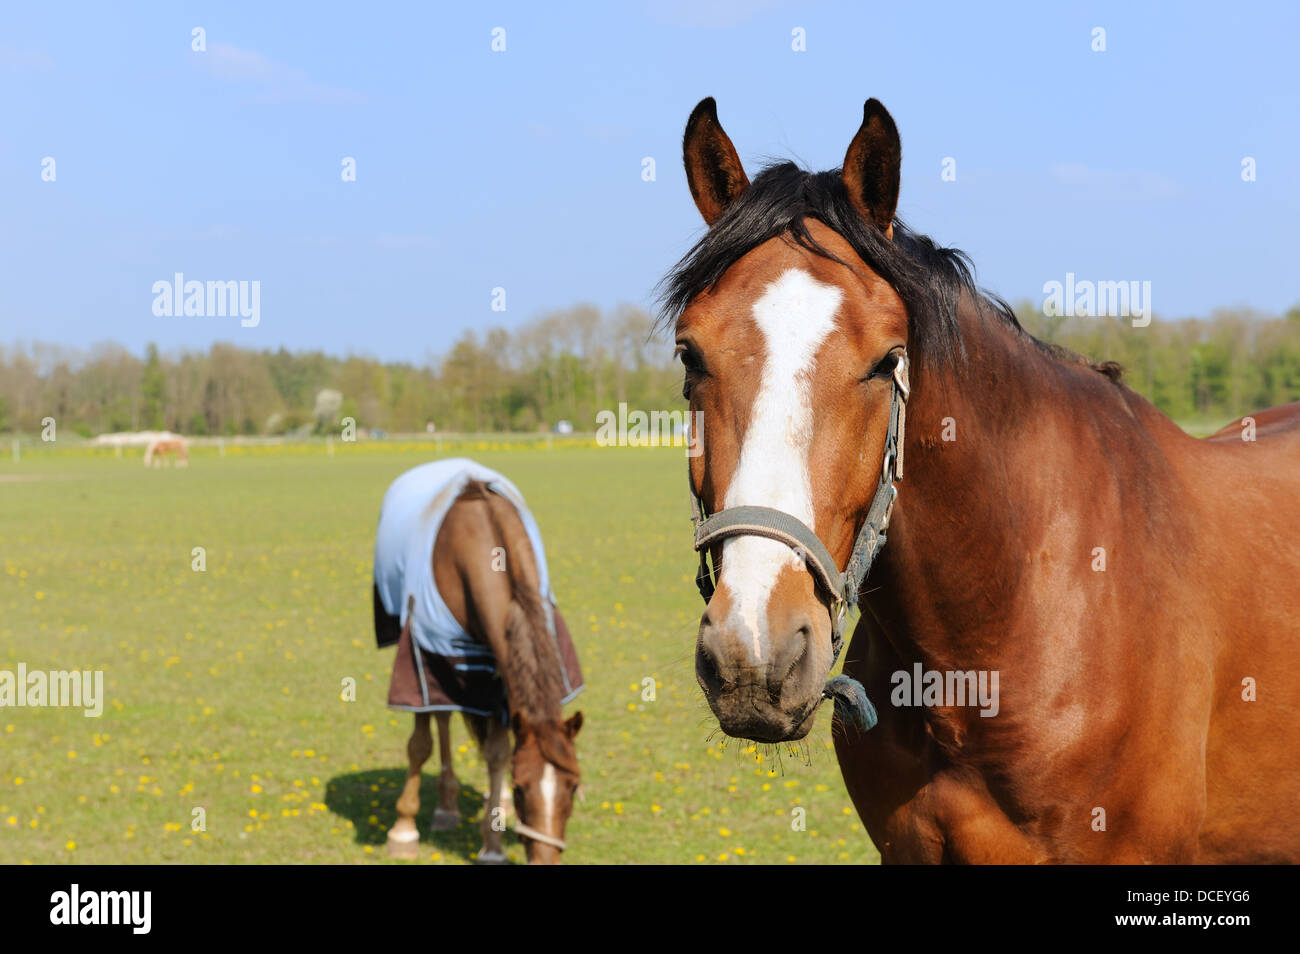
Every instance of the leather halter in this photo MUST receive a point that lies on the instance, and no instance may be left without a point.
(841, 590)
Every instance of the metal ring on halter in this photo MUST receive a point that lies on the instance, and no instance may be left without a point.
(535, 835)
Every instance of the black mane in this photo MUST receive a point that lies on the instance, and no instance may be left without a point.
(928, 278)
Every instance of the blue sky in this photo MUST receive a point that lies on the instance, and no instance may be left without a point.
(523, 169)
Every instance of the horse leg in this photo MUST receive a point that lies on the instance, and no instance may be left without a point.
(447, 815)
(496, 749)
(404, 836)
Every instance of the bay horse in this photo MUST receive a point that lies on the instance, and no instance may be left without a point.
(1131, 589)
(486, 575)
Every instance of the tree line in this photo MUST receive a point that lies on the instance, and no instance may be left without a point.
(567, 365)
(1194, 369)
(564, 366)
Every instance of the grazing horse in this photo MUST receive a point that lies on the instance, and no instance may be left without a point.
(1126, 592)
(163, 450)
(461, 586)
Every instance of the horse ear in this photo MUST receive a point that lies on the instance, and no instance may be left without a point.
(713, 169)
(573, 724)
(871, 167)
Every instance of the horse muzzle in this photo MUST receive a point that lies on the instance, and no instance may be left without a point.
(772, 699)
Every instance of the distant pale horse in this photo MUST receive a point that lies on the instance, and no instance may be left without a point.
(166, 450)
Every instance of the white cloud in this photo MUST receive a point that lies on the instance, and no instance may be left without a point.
(24, 61)
(1107, 185)
(709, 13)
(397, 241)
(274, 82)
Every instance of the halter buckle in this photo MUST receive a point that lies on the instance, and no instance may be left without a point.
(900, 377)
(889, 508)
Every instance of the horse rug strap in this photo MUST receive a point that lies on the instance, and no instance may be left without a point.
(842, 590)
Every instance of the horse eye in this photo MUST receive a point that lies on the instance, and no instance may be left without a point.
(886, 365)
(690, 358)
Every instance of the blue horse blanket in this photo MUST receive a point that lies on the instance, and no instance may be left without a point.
(451, 669)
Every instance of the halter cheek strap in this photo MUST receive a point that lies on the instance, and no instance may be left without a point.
(538, 836)
(841, 590)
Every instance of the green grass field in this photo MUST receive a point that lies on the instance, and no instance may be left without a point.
(223, 686)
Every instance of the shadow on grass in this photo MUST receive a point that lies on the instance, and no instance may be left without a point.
(369, 801)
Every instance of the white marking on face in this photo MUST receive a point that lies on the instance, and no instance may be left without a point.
(794, 315)
(548, 787)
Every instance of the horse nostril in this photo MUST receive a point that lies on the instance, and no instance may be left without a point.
(792, 655)
(706, 669)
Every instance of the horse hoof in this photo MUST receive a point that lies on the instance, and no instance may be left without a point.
(444, 820)
(491, 858)
(404, 845)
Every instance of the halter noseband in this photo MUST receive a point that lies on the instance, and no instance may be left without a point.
(541, 836)
(841, 589)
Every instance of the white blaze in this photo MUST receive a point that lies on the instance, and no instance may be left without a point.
(548, 787)
(795, 315)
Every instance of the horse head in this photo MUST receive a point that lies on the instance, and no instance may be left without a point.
(793, 338)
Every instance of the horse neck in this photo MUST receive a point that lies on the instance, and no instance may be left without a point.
(993, 448)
